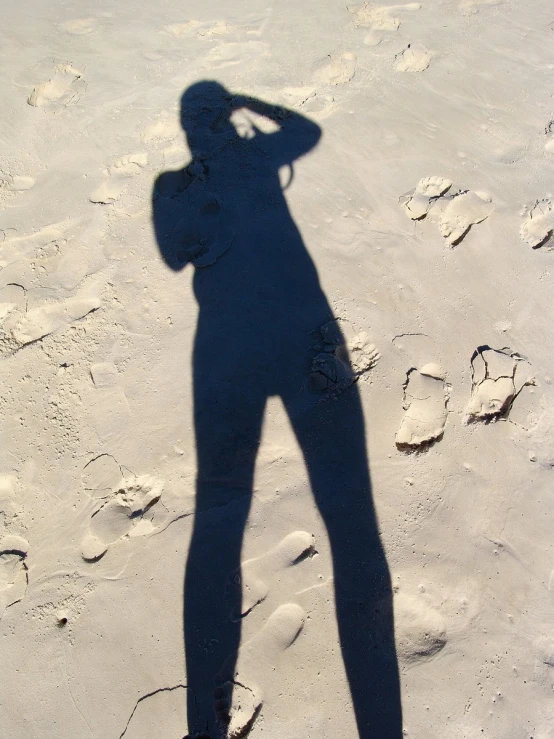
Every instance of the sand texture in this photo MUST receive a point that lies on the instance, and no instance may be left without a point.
(276, 343)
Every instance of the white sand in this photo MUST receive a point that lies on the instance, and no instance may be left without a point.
(98, 466)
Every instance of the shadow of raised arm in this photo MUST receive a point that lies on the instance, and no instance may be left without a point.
(296, 136)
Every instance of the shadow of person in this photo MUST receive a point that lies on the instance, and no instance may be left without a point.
(260, 302)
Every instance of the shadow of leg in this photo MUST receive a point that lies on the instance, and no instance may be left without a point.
(212, 639)
(227, 428)
(332, 437)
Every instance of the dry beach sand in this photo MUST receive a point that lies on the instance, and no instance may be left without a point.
(424, 200)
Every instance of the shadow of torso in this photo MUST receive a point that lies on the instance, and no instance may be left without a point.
(256, 286)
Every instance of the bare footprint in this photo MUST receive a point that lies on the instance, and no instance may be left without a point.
(13, 571)
(10, 507)
(239, 701)
(347, 355)
(469, 7)
(462, 212)
(14, 248)
(166, 128)
(180, 30)
(117, 176)
(254, 573)
(417, 203)
(415, 58)
(420, 630)
(497, 377)
(538, 226)
(425, 401)
(64, 88)
(308, 99)
(79, 26)
(378, 18)
(108, 408)
(456, 211)
(332, 372)
(15, 183)
(18, 329)
(231, 54)
(101, 474)
(219, 28)
(124, 514)
(335, 70)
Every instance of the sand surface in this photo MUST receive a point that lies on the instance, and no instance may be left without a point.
(426, 207)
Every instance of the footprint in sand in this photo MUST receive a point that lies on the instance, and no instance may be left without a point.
(14, 248)
(181, 30)
(347, 355)
(239, 701)
(166, 128)
(16, 182)
(101, 475)
(420, 630)
(378, 18)
(309, 100)
(538, 225)
(415, 58)
(497, 377)
(254, 574)
(64, 88)
(13, 571)
(127, 512)
(201, 30)
(470, 7)
(17, 329)
(79, 26)
(10, 507)
(50, 260)
(117, 176)
(425, 401)
(108, 408)
(417, 203)
(335, 70)
(219, 28)
(231, 54)
(462, 212)
(455, 211)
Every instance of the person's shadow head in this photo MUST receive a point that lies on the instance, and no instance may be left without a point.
(205, 112)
